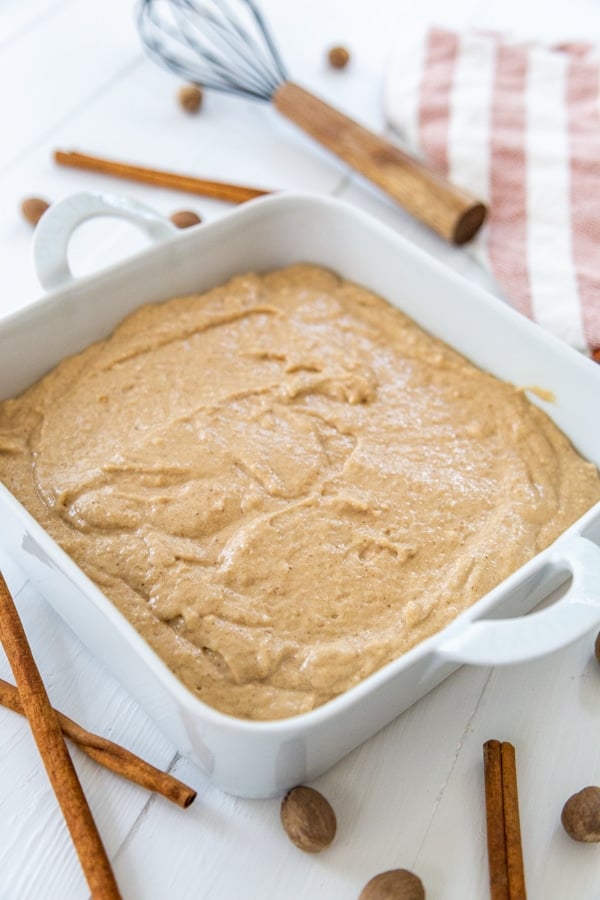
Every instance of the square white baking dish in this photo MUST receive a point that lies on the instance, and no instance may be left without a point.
(260, 759)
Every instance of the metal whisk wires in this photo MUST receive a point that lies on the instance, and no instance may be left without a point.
(220, 44)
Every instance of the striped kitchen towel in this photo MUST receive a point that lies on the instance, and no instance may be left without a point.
(518, 124)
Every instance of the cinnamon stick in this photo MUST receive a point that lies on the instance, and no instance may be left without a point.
(110, 755)
(219, 190)
(48, 736)
(494, 808)
(512, 825)
(505, 855)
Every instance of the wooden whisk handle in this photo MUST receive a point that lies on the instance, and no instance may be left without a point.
(451, 212)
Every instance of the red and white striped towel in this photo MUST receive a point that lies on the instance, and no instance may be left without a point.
(518, 124)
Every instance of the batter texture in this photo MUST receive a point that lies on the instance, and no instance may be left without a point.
(284, 483)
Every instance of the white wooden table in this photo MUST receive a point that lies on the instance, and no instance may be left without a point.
(72, 74)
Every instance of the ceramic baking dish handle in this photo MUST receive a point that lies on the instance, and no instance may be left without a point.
(54, 230)
(493, 642)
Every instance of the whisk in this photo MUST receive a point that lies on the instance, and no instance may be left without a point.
(225, 45)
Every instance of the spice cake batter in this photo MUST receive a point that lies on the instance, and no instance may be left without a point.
(284, 483)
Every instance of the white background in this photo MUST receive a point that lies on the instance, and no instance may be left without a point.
(73, 75)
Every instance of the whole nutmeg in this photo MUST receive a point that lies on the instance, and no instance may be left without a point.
(184, 218)
(597, 644)
(338, 57)
(33, 208)
(308, 819)
(190, 97)
(581, 815)
(395, 884)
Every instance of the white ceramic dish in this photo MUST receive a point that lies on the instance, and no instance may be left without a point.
(258, 759)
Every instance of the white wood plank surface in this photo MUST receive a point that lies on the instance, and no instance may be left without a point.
(73, 75)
